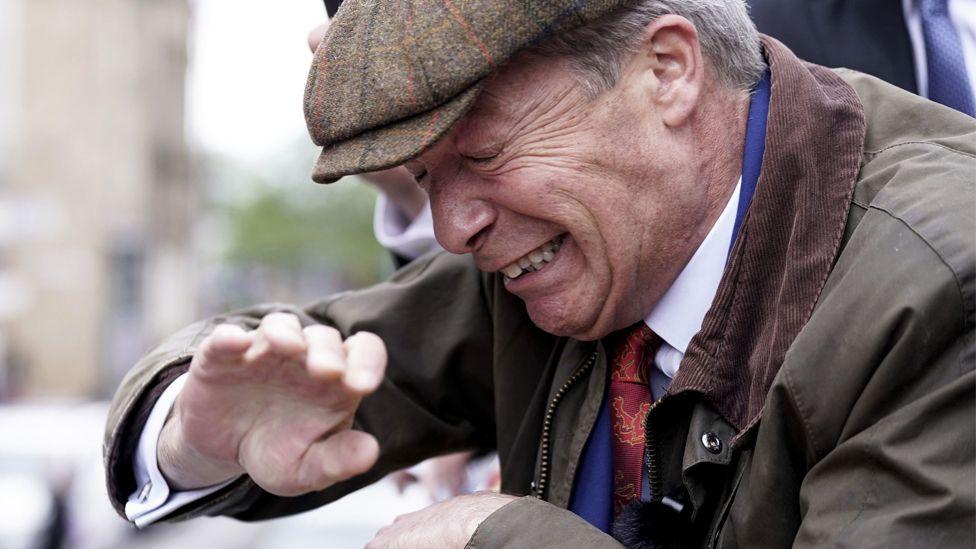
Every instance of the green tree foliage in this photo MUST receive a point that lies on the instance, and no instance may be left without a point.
(279, 220)
(330, 227)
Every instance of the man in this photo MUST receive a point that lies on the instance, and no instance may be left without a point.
(909, 44)
(594, 163)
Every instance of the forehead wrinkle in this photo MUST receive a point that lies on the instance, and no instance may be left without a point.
(505, 113)
(489, 105)
(549, 115)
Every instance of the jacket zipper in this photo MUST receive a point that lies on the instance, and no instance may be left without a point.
(650, 456)
(540, 484)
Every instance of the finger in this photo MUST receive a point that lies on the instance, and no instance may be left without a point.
(326, 357)
(316, 35)
(280, 335)
(226, 344)
(230, 339)
(365, 363)
(341, 456)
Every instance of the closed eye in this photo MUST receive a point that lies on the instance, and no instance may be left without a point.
(481, 158)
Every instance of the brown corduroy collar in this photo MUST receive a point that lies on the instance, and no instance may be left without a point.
(788, 242)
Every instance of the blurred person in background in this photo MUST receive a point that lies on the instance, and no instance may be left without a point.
(927, 47)
(668, 513)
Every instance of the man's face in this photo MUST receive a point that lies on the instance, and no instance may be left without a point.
(599, 190)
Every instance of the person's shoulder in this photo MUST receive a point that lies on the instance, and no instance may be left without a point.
(897, 119)
(908, 259)
(919, 168)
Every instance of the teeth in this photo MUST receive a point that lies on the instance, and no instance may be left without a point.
(512, 271)
(534, 260)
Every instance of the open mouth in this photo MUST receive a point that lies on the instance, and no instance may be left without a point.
(534, 260)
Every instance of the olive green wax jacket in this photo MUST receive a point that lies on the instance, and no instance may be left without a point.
(828, 399)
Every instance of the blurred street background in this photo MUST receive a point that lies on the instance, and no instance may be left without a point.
(153, 169)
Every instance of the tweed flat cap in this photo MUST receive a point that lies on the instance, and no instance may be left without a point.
(392, 76)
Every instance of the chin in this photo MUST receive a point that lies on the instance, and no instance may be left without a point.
(566, 321)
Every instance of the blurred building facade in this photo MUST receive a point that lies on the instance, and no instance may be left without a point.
(97, 194)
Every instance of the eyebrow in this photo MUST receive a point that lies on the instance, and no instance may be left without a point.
(486, 139)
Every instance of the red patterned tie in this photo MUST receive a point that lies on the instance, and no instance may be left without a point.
(630, 401)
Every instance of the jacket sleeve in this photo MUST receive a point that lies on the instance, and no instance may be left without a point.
(887, 400)
(433, 317)
(531, 522)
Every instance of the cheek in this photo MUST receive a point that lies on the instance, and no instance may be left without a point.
(608, 219)
(602, 214)
(536, 190)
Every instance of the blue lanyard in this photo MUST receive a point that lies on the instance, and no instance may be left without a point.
(753, 151)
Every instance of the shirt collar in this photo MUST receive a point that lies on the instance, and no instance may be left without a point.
(678, 316)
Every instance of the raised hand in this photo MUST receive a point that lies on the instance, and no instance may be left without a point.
(276, 403)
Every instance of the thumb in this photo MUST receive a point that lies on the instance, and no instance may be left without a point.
(339, 457)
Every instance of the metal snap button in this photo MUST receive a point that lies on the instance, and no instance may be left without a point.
(712, 443)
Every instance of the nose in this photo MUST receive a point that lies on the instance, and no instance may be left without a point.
(462, 218)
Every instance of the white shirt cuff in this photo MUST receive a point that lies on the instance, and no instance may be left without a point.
(153, 499)
(406, 238)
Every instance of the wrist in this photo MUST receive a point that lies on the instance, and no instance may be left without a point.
(483, 505)
(183, 466)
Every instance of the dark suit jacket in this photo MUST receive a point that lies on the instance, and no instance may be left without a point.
(332, 6)
(865, 35)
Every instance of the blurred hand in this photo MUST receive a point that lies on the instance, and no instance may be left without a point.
(443, 477)
(316, 35)
(276, 403)
(449, 524)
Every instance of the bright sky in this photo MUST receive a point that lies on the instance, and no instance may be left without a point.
(249, 61)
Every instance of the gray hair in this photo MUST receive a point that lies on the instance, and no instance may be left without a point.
(726, 33)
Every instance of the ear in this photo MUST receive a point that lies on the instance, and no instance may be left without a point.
(673, 66)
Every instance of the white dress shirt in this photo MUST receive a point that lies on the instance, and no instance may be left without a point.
(676, 318)
(407, 239)
(962, 13)
(154, 499)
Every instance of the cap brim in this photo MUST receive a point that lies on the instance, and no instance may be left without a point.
(393, 144)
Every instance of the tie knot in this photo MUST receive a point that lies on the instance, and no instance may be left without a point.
(633, 352)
